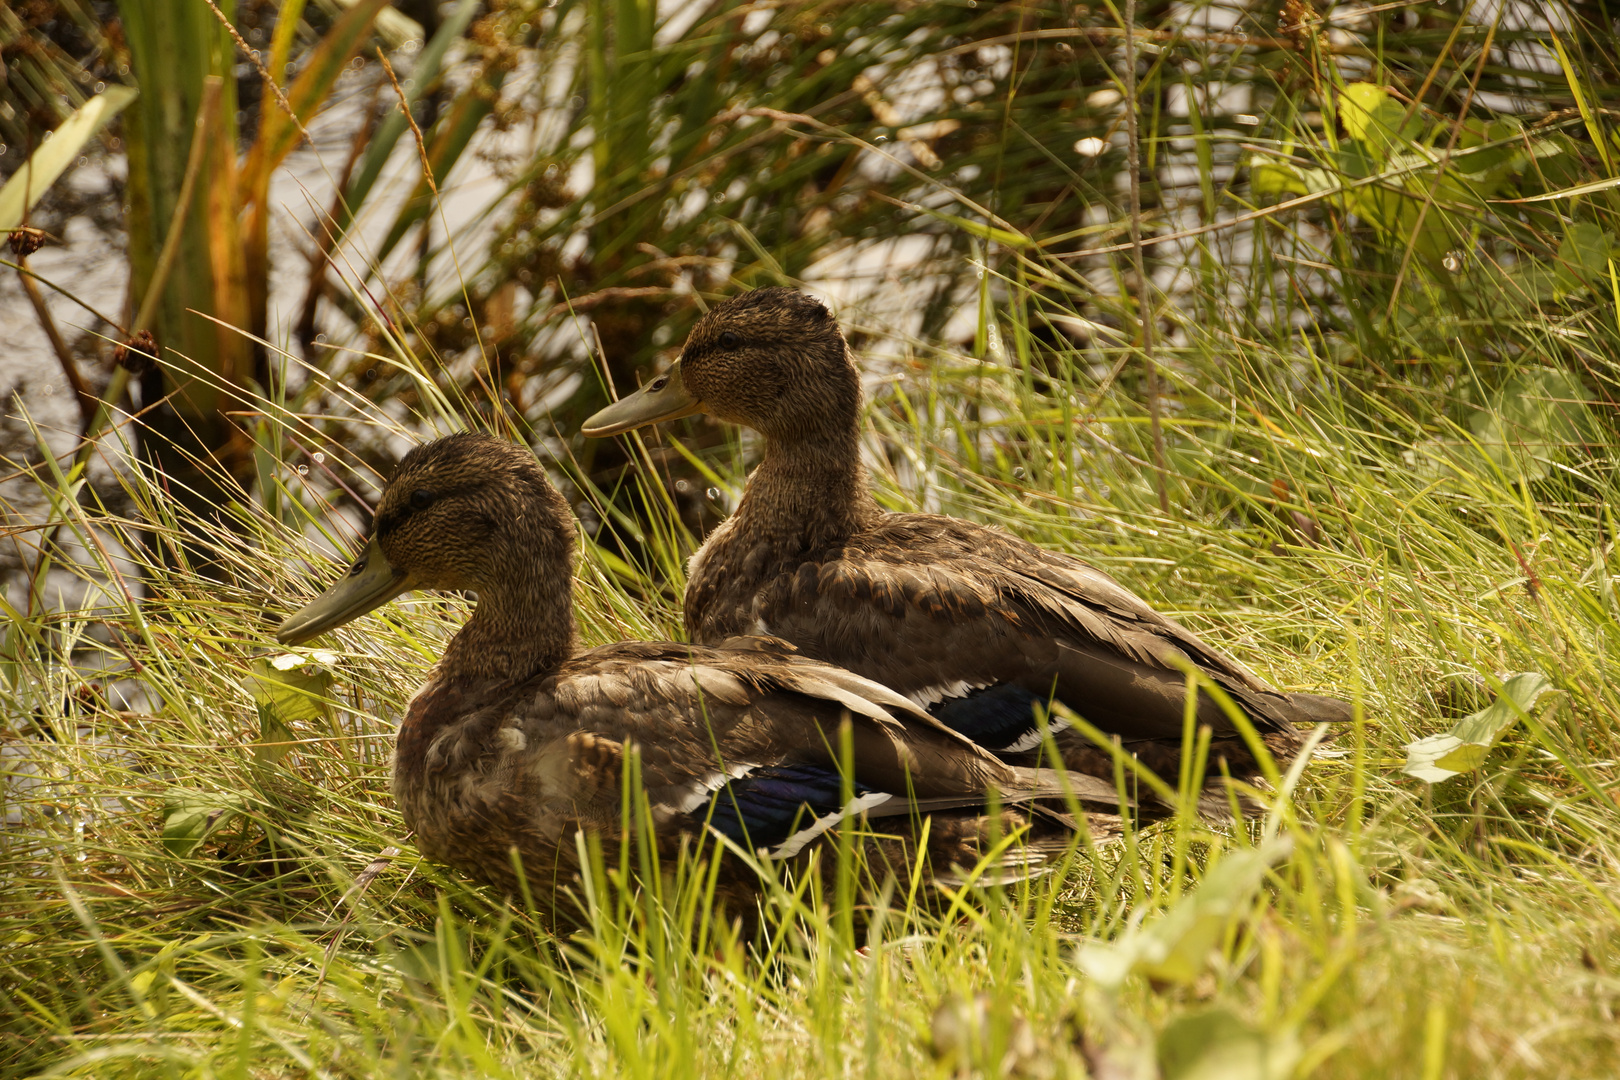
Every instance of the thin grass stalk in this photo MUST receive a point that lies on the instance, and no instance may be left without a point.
(1146, 305)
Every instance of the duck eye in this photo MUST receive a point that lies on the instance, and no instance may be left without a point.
(729, 340)
(658, 383)
(421, 498)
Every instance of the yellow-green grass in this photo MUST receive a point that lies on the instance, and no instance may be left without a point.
(1467, 929)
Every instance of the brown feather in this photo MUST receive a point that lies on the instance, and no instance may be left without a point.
(520, 740)
(923, 602)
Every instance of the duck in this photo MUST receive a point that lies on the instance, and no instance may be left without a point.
(520, 739)
(985, 631)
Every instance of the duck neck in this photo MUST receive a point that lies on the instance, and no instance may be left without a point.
(810, 490)
(523, 626)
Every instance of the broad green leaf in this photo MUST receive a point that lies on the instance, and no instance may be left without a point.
(1216, 1044)
(1464, 747)
(153, 983)
(1356, 105)
(190, 815)
(1404, 212)
(1534, 418)
(1355, 162)
(1402, 221)
(1390, 129)
(289, 689)
(1530, 284)
(276, 739)
(1174, 947)
(22, 192)
(1552, 162)
(1270, 177)
(1484, 172)
(1583, 257)
(1376, 120)
(1487, 169)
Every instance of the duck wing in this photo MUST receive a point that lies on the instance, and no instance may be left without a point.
(978, 626)
(745, 741)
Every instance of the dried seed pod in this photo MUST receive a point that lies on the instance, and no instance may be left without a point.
(25, 241)
(138, 354)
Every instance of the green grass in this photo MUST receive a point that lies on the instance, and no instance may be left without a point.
(1389, 477)
(1462, 930)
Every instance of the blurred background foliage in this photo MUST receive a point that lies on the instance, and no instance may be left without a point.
(650, 159)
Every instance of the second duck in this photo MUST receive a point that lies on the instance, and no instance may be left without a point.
(975, 625)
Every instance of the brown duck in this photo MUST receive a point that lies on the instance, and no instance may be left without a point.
(519, 738)
(972, 624)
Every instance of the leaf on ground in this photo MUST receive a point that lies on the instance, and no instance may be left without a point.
(1216, 1044)
(1174, 947)
(1463, 748)
(190, 815)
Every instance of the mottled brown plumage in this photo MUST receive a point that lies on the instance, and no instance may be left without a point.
(971, 622)
(519, 739)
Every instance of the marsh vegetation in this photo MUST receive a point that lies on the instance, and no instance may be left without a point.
(1334, 387)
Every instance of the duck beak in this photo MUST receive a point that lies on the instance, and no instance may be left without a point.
(369, 584)
(665, 398)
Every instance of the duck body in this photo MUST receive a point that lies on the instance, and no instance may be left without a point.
(520, 741)
(976, 626)
(984, 630)
(742, 741)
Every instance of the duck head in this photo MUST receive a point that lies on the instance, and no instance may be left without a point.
(772, 360)
(467, 511)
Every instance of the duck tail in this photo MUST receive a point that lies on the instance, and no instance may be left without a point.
(1321, 709)
(1046, 837)
(1040, 783)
